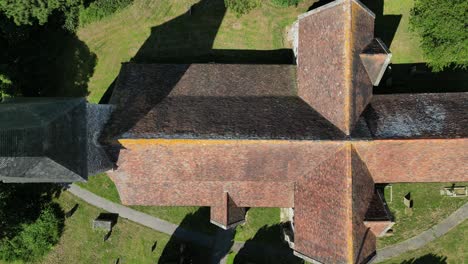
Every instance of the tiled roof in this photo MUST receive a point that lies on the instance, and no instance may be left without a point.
(213, 101)
(415, 116)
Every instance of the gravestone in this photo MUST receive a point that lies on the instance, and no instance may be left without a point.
(407, 201)
(105, 221)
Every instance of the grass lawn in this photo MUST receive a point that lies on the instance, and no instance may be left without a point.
(449, 248)
(158, 30)
(79, 243)
(405, 44)
(429, 209)
(257, 218)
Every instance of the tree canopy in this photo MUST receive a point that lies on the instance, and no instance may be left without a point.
(28, 12)
(442, 26)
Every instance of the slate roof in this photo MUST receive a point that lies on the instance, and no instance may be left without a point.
(43, 140)
(51, 139)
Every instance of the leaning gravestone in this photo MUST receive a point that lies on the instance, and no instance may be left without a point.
(408, 204)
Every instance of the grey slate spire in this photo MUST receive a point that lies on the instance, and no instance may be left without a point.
(51, 140)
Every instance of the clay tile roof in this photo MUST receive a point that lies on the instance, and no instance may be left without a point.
(213, 101)
(376, 58)
(331, 76)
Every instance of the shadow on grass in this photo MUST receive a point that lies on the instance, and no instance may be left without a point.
(45, 60)
(385, 25)
(23, 203)
(427, 259)
(418, 78)
(181, 248)
(267, 246)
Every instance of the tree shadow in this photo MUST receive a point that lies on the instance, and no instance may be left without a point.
(267, 246)
(23, 203)
(45, 60)
(186, 246)
(418, 78)
(427, 259)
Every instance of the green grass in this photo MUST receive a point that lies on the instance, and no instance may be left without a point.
(449, 248)
(405, 45)
(103, 186)
(257, 218)
(79, 243)
(152, 31)
(429, 209)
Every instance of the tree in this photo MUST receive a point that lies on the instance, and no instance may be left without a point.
(28, 12)
(442, 27)
(31, 223)
(241, 7)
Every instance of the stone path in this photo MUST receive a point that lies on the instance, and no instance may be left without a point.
(141, 218)
(425, 237)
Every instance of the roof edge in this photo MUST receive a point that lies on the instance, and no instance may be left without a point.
(320, 9)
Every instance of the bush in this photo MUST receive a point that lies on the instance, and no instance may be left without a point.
(34, 239)
(6, 86)
(241, 7)
(443, 30)
(101, 8)
(285, 3)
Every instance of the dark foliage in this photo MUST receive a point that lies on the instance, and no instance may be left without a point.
(99, 9)
(443, 29)
(44, 60)
(285, 2)
(31, 12)
(30, 222)
(241, 7)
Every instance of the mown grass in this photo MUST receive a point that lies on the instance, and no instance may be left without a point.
(405, 45)
(449, 248)
(430, 208)
(149, 29)
(102, 185)
(79, 243)
(257, 218)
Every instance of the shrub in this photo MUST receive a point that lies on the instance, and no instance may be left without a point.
(34, 239)
(5, 86)
(442, 25)
(241, 7)
(285, 2)
(101, 8)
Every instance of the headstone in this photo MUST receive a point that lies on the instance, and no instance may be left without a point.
(105, 221)
(407, 201)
